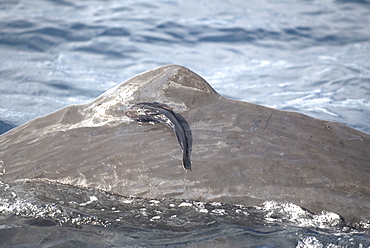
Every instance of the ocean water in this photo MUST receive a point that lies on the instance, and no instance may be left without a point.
(306, 56)
(45, 214)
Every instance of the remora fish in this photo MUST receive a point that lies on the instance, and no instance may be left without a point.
(158, 113)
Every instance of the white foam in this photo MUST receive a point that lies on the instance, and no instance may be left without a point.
(92, 199)
(294, 214)
(185, 204)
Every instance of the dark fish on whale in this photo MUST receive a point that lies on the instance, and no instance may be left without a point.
(159, 113)
(246, 153)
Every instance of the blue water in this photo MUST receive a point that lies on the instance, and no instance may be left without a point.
(39, 214)
(307, 56)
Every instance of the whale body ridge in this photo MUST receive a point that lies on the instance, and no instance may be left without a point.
(242, 153)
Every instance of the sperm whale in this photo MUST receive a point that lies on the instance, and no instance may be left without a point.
(160, 113)
(245, 153)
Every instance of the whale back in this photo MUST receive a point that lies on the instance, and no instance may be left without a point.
(242, 153)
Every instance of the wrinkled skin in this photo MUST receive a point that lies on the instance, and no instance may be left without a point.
(242, 153)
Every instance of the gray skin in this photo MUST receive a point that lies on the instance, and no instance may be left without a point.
(242, 153)
(159, 113)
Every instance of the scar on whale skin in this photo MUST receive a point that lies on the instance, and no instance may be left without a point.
(159, 113)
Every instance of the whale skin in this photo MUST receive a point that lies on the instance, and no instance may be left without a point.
(242, 153)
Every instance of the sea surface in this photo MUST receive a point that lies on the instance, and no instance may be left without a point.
(307, 56)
